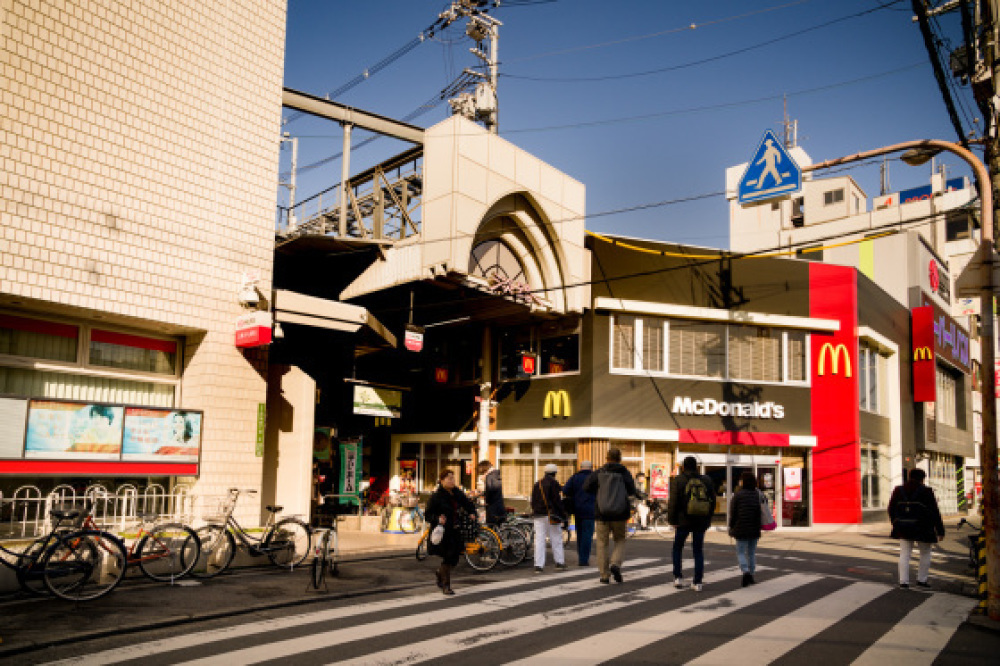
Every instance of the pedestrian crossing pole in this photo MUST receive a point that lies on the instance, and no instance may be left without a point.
(924, 150)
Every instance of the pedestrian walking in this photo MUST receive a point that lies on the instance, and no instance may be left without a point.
(580, 504)
(444, 509)
(490, 488)
(744, 524)
(612, 486)
(549, 517)
(689, 510)
(641, 501)
(916, 519)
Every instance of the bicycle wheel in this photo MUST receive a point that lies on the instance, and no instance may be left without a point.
(218, 548)
(287, 544)
(483, 552)
(84, 565)
(514, 548)
(406, 522)
(168, 552)
(422, 547)
(661, 525)
(29, 569)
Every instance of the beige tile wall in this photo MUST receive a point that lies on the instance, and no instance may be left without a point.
(139, 155)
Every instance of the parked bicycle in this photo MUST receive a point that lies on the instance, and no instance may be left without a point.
(285, 542)
(411, 519)
(164, 552)
(656, 519)
(325, 555)
(974, 540)
(76, 565)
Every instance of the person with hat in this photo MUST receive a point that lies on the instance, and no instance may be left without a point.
(549, 518)
(581, 504)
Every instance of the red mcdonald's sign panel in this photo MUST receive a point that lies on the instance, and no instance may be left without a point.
(924, 375)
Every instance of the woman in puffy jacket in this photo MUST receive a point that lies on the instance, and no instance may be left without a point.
(744, 524)
(443, 508)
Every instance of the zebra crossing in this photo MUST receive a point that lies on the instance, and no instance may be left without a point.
(569, 618)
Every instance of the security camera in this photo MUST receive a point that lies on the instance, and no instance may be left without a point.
(248, 296)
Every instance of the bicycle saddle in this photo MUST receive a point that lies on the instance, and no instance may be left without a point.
(274, 509)
(64, 513)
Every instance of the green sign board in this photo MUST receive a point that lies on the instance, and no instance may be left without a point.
(261, 428)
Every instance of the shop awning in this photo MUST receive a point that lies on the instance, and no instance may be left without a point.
(294, 308)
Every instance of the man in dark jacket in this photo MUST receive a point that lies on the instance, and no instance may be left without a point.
(582, 504)
(546, 507)
(612, 521)
(915, 517)
(694, 523)
(491, 490)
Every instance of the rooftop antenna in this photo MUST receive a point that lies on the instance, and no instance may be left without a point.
(884, 177)
(791, 127)
(480, 103)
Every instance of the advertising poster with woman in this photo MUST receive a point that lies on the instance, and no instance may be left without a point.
(73, 431)
(161, 435)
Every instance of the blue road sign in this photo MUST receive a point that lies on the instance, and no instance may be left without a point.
(771, 173)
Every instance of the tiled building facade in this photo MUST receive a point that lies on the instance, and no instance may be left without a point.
(139, 153)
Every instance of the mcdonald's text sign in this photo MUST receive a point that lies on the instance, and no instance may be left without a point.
(924, 373)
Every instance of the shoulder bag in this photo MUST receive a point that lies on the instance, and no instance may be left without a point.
(767, 521)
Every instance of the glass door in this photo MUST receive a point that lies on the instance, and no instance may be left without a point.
(767, 483)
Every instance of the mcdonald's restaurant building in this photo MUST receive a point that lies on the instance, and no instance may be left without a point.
(799, 372)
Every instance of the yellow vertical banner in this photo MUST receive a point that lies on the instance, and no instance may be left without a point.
(866, 262)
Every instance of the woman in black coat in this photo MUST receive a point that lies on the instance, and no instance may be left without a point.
(744, 525)
(443, 509)
(915, 517)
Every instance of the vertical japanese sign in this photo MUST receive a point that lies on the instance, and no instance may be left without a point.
(924, 367)
(350, 470)
(261, 429)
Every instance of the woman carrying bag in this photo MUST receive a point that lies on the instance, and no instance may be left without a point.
(745, 524)
(443, 509)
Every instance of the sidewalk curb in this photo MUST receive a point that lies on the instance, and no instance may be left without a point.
(201, 617)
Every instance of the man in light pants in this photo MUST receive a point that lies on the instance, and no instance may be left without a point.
(915, 517)
(546, 506)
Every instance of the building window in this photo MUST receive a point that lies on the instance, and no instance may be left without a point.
(710, 350)
(874, 476)
(133, 352)
(833, 197)
(557, 346)
(957, 226)
(871, 377)
(798, 212)
(38, 339)
(857, 203)
(697, 349)
(946, 405)
(521, 464)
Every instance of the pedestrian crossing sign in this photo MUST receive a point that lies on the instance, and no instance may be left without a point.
(771, 173)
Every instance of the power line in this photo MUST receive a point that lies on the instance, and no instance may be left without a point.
(693, 63)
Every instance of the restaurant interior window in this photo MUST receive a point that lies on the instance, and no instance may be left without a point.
(755, 353)
(36, 338)
(652, 343)
(797, 363)
(946, 405)
(133, 352)
(623, 342)
(874, 476)
(697, 349)
(556, 344)
(870, 369)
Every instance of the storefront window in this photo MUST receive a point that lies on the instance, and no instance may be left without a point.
(521, 464)
(874, 476)
(754, 353)
(35, 338)
(557, 346)
(133, 352)
(942, 478)
(947, 388)
(697, 349)
(871, 378)
(38, 384)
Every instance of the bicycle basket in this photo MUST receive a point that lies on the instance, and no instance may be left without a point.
(220, 511)
(468, 527)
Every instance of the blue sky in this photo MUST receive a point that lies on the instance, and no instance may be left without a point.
(852, 82)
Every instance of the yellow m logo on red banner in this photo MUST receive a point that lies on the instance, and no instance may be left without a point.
(556, 404)
(835, 353)
(923, 354)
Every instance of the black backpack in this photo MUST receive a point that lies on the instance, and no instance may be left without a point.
(911, 516)
(612, 496)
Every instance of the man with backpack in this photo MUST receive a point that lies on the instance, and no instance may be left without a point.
(689, 510)
(915, 517)
(613, 485)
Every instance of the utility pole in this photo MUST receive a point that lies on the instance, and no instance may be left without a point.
(290, 183)
(481, 103)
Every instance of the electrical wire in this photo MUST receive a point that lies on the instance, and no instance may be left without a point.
(693, 63)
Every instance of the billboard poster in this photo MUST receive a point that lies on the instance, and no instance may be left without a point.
(793, 484)
(161, 435)
(659, 481)
(73, 431)
(376, 401)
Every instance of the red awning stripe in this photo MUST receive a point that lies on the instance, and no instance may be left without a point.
(138, 341)
(38, 326)
(732, 437)
(75, 468)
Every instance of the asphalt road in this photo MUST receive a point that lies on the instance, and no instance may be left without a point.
(820, 599)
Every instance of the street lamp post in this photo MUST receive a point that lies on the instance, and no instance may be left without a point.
(988, 456)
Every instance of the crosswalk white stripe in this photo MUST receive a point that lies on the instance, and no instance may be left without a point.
(765, 644)
(607, 645)
(283, 649)
(435, 648)
(156, 647)
(920, 636)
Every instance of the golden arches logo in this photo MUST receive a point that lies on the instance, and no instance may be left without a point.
(556, 404)
(923, 354)
(835, 353)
